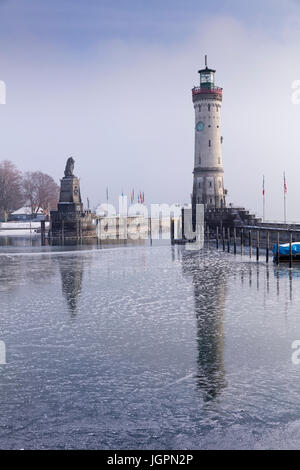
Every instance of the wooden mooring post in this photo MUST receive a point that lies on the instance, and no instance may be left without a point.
(43, 232)
(81, 231)
(257, 244)
(217, 238)
(223, 238)
(77, 230)
(50, 233)
(172, 230)
(208, 237)
(150, 230)
(62, 232)
(250, 243)
(160, 228)
(242, 241)
(234, 240)
(277, 250)
(228, 240)
(182, 224)
(267, 247)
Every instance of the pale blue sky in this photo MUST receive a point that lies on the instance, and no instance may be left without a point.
(110, 83)
(82, 23)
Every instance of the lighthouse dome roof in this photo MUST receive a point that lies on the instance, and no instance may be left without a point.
(206, 70)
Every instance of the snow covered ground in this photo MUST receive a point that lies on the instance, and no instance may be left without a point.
(21, 228)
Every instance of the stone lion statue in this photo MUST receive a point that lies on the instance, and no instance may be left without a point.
(69, 170)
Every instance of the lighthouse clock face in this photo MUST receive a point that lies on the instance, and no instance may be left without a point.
(200, 126)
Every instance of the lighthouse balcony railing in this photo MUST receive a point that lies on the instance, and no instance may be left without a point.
(199, 90)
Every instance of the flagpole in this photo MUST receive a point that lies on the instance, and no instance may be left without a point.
(264, 202)
(284, 197)
(107, 199)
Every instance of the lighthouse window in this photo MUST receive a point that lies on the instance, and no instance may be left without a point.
(210, 200)
(209, 143)
(221, 140)
(219, 160)
(210, 184)
(208, 107)
(199, 184)
(209, 125)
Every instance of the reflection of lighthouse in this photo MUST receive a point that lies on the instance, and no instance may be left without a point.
(208, 187)
(210, 294)
(71, 270)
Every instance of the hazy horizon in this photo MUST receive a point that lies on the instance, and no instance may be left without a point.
(110, 84)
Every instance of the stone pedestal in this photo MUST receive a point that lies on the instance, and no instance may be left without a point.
(70, 220)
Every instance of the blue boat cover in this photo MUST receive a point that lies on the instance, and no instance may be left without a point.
(284, 249)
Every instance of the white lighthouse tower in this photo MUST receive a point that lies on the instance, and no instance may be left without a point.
(208, 187)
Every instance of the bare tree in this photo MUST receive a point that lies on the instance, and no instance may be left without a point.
(40, 190)
(11, 196)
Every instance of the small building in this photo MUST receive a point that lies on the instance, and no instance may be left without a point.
(26, 214)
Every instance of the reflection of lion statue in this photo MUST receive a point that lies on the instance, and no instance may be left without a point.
(69, 167)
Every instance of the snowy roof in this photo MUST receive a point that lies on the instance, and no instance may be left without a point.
(26, 210)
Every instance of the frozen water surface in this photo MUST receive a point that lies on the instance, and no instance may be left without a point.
(147, 347)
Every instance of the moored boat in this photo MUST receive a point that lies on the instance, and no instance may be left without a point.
(283, 251)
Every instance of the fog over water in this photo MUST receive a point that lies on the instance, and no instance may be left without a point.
(111, 85)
